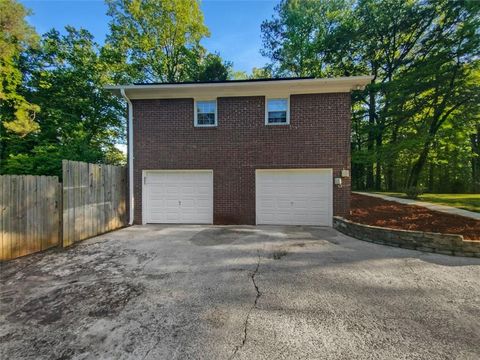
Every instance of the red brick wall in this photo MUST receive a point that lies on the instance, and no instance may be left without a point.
(318, 137)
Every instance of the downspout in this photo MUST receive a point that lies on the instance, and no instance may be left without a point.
(130, 154)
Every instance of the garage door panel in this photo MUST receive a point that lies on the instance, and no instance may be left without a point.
(267, 204)
(283, 217)
(204, 189)
(301, 205)
(294, 197)
(187, 203)
(178, 197)
(188, 190)
(157, 191)
(172, 216)
(154, 203)
(203, 203)
(283, 203)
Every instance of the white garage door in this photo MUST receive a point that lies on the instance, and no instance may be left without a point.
(178, 197)
(294, 197)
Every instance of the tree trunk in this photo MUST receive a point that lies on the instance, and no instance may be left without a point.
(389, 178)
(430, 177)
(378, 167)
(391, 182)
(371, 138)
(475, 141)
(419, 164)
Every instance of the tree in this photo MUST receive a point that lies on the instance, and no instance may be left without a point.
(421, 53)
(445, 75)
(79, 119)
(296, 37)
(257, 73)
(261, 73)
(211, 67)
(238, 75)
(155, 41)
(475, 159)
(16, 114)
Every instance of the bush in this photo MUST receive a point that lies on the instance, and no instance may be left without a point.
(413, 192)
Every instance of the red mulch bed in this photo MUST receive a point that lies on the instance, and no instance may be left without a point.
(378, 212)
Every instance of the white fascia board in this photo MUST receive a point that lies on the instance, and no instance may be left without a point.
(253, 88)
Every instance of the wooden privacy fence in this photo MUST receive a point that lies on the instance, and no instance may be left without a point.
(94, 200)
(32, 217)
(30, 210)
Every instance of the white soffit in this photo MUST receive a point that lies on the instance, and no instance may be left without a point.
(268, 88)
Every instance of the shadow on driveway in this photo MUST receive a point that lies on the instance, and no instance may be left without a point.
(243, 292)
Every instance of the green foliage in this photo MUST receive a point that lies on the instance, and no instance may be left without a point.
(261, 73)
(257, 73)
(211, 67)
(79, 120)
(155, 41)
(416, 123)
(64, 75)
(17, 115)
(238, 75)
(297, 39)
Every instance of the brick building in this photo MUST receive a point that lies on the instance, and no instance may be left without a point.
(240, 152)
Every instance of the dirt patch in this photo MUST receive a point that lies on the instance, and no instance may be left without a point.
(102, 299)
(378, 212)
(50, 298)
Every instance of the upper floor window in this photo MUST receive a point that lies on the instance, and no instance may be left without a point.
(277, 112)
(206, 113)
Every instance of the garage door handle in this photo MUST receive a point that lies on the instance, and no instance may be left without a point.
(179, 203)
(291, 203)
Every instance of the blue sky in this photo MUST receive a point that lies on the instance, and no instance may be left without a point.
(234, 24)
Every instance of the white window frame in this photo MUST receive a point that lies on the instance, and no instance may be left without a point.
(195, 114)
(287, 97)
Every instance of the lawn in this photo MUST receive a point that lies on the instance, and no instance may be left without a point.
(463, 201)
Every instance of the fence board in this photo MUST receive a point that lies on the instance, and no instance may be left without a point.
(101, 199)
(90, 202)
(52, 208)
(37, 212)
(21, 247)
(28, 220)
(14, 222)
(41, 208)
(65, 237)
(6, 217)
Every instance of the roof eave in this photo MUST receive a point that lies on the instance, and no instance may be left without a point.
(226, 89)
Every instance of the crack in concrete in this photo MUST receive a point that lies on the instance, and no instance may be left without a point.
(245, 324)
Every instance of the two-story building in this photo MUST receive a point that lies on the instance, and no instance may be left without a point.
(271, 151)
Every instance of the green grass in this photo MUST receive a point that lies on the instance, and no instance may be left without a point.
(463, 201)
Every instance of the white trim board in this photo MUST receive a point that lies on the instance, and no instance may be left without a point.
(266, 88)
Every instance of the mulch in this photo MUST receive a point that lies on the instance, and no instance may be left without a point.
(378, 212)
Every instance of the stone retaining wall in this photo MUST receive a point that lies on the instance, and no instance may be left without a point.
(448, 244)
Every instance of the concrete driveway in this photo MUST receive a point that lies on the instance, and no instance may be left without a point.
(204, 292)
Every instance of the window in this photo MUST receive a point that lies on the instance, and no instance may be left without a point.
(206, 113)
(277, 112)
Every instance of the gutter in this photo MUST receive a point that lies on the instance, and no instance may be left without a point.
(354, 82)
(130, 155)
